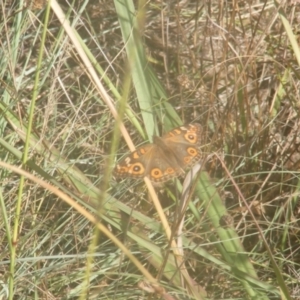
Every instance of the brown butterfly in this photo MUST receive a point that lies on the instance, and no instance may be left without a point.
(166, 158)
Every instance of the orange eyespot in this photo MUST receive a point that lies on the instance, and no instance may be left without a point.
(136, 169)
(187, 160)
(191, 137)
(170, 171)
(192, 151)
(156, 173)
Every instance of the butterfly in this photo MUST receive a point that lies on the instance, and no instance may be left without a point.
(167, 157)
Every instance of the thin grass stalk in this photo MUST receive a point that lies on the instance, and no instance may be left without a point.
(89, 262)
(106, 180)
(25, 158)
(289, 31)
(6, 221)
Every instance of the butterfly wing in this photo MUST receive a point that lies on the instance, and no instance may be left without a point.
(185, 144)
(148, 160)
(135, 164)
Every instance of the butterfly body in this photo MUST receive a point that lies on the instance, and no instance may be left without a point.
(167, 157)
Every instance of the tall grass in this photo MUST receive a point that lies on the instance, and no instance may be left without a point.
(95, 72)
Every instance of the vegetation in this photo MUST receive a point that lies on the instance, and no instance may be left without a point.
(71, 73)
